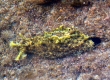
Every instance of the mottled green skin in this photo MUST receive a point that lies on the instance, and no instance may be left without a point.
(59, 42)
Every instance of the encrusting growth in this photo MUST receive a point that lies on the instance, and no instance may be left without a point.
(54, 44)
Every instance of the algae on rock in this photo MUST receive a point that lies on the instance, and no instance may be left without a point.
(57, 43)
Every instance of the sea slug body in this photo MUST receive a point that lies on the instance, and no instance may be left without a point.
(57, 43)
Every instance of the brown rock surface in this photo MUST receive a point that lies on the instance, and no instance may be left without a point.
(39, 1)
(18, 16)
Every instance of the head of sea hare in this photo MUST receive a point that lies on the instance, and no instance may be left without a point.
(57, 43)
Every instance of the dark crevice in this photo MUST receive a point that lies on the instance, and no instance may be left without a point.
(96, 40)
(50, 3)
(29, 55)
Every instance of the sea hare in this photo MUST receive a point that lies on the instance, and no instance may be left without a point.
(57, 43)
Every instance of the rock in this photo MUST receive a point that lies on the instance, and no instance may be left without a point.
(39, 1)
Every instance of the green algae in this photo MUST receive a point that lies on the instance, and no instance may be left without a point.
(57, 43)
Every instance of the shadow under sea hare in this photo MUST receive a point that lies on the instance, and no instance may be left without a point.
(57, 43)
(76, 3)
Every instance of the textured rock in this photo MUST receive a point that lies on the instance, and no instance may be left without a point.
(31, 20)
(40, 1)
